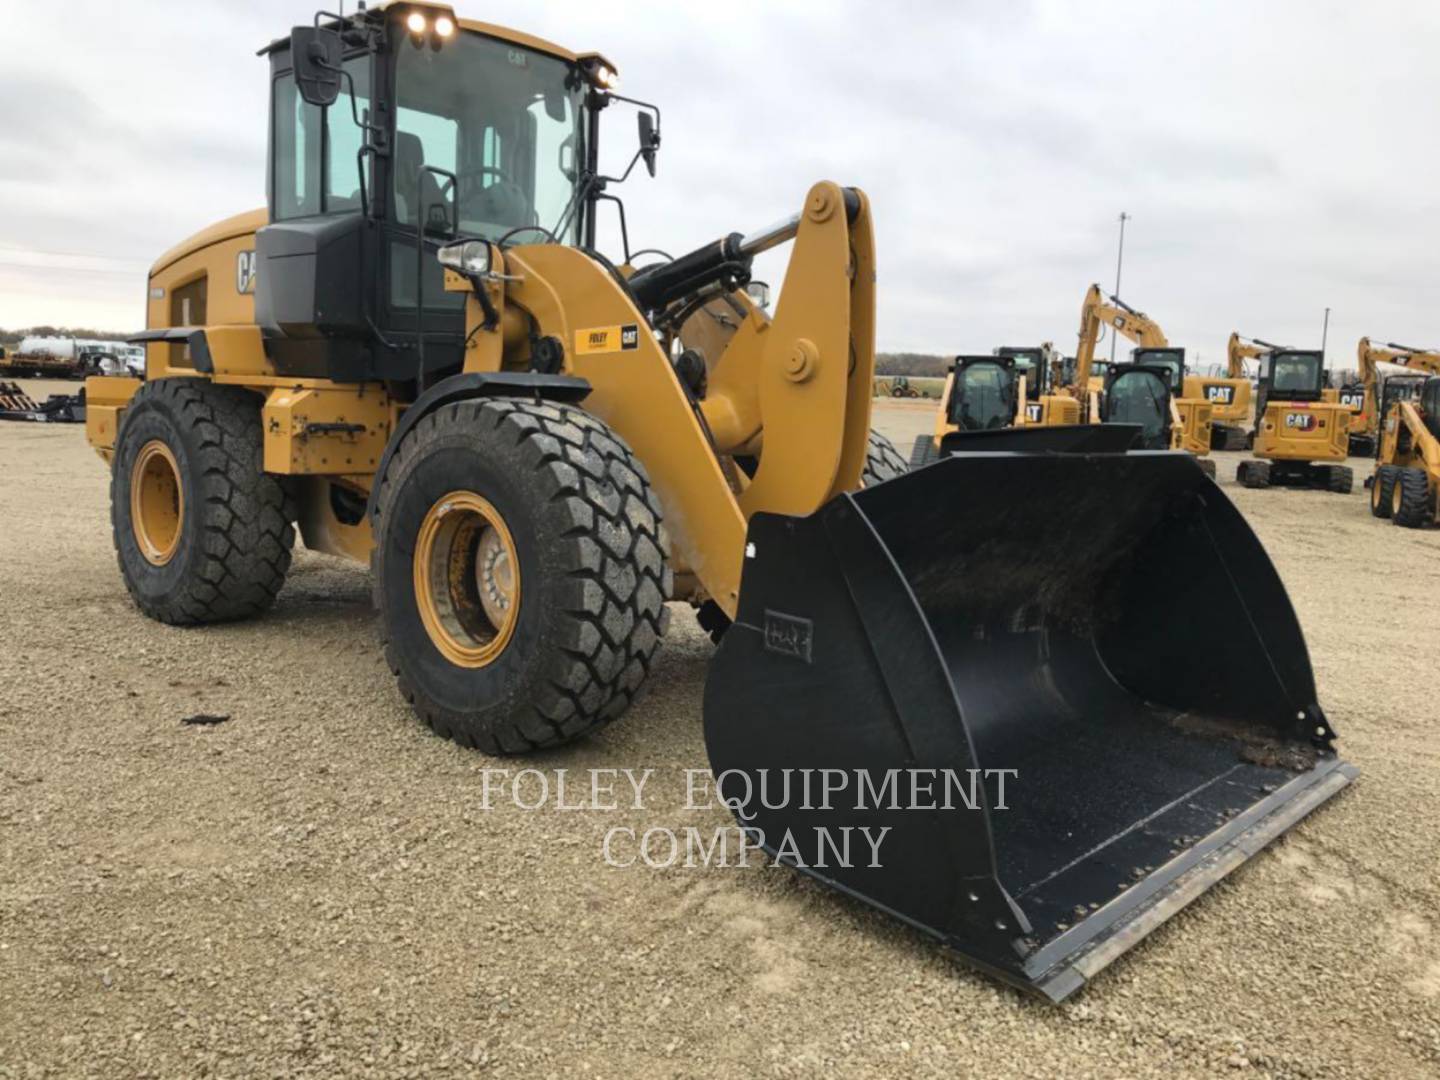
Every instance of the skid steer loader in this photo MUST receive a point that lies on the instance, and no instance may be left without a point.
(417, 354)
(1407, 476)
(1300, 438)
(1142, 393)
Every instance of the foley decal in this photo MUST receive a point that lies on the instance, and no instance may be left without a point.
(607, 339)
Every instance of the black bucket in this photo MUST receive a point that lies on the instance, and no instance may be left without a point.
(1044, 438)
(1106, 626)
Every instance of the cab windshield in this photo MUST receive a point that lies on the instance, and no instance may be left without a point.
(983, 397)
(1030, 363)
(505, 120)
(1172, 360)
(1139, 397)
(1295, 372)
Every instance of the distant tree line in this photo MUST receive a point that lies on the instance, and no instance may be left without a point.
(911, 364)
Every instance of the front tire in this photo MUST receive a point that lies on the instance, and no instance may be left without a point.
(520, 573)
(882, 461)
(202, 533)
(1411, 502)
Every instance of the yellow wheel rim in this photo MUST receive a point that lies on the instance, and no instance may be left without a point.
(1376, 495)
(1397, 497)
(157, 503)
(467, 579)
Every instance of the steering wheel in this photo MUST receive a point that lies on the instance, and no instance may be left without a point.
(472, 187)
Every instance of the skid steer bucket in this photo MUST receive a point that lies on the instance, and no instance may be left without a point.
(1031, 703)
(1055, 438)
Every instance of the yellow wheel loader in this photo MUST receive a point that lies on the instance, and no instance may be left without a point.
(416, 355)
(1300, 438)
(1363, 395)
(1407, 476)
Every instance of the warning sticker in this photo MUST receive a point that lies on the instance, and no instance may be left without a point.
(607, 339)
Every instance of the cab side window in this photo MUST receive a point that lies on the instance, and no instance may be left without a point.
(296, 129)
(315, 154)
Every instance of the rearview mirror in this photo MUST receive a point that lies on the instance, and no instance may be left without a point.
(649, 140)
(315, 53)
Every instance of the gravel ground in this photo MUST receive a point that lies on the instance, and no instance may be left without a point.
(315, 888)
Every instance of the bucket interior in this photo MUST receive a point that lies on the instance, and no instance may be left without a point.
(1103, 634)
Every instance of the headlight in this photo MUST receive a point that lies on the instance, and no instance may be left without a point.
(467, 257)
(444, 25)
(415, 23)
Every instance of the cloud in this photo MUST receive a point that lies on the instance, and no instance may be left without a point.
(1275, 157)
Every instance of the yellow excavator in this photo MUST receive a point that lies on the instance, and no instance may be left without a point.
(416, 355)
(1232, 397)
(1301, 439)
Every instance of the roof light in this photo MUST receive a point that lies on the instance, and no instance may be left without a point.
(444, 25)
(607, 78)
(415, 23)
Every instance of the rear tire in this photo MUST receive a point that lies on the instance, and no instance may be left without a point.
(1340, 479)
(202, 533)
(587, 575)
(1382, 491)
(923, 452)
(882, 461)
(1412, 504)
(1253, 474)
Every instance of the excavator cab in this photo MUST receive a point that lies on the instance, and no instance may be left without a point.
(1300, 437)
(1171, 359)
(1031, 362)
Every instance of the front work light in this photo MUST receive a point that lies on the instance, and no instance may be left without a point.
(444, 25)
(470, 257)
(415, 23)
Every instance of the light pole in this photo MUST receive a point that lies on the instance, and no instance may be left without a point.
(1324, 333)
(1119, 262)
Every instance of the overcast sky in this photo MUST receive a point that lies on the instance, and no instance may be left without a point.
(1276, 157)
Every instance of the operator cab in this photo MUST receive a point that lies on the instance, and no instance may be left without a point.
(1031, 362)
(1430, 405)
(1171, 359)
(1140, 394)
(394, 132)
(982, 395)
(1293, 375)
